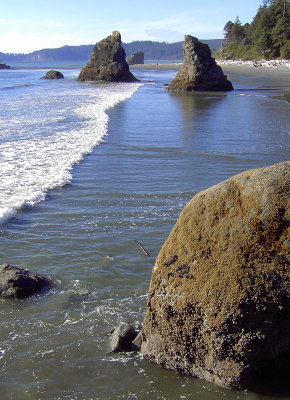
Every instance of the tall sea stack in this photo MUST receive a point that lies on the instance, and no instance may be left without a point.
(107, 62)
(199, 70)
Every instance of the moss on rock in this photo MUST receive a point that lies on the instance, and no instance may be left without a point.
(219, 297)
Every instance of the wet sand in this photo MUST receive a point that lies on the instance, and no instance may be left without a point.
(273, 78)
(157, 66)
(276, 78)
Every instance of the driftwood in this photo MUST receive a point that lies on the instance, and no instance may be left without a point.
(142, 248)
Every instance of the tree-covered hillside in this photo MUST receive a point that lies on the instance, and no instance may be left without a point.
(266, 37)
(152, 51)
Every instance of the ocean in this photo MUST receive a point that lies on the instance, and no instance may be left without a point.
(86, 170)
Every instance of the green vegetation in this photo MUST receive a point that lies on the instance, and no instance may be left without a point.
(152, 50)
(267, 37)
(163, 50)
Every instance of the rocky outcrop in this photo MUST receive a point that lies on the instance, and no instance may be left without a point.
(107, 62)
(136, 58)
(52, 74)
(18, 283)
(219, 298)
(4, 66)
(199, 70)
(123, 337)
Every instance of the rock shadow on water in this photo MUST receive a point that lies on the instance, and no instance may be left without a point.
(274, 383)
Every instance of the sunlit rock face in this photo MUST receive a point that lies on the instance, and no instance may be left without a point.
(199, 70)
(219, 298)
(107, 62)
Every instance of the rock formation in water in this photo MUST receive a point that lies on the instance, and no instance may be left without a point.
(123, 337)
(219, 298)
(4, 66)
(199, 70)
(136, 58)
(107, 62)
(18, 283)
(52, 74)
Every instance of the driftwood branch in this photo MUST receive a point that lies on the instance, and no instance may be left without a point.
(142, 248)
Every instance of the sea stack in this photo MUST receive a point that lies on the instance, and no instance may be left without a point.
(107, 62)
(219, 299)
(136, 58)
(199, 70)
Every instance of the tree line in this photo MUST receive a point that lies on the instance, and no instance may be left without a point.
(152, 50)
(266, 37)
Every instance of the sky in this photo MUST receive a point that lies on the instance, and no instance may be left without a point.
(29, 25)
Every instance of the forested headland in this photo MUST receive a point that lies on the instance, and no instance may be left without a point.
(266, 37)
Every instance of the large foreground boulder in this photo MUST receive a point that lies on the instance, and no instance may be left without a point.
(199, 70)
(107, 62)
(18, 283)
(219, 297)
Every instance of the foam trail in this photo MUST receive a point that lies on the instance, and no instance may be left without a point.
(40, 161)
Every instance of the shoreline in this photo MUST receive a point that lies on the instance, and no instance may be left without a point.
(279, 75)
(272, 64)
(272, 76)
(276, 78)
(157, 66)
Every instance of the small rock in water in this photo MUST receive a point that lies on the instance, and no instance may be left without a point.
(122, 338)
(137, 342)
(79, 296)
(18, 283)
(52, 74)
(4, 66)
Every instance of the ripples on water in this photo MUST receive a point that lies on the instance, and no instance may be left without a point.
(160, 150)
(46, 128)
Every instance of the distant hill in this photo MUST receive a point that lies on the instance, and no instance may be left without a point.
(165, 51)
(152, 51)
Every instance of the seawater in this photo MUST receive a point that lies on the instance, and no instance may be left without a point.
(85, 170)
(46, 128)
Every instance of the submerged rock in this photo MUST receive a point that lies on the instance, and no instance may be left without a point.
(107, 62)
(18, 283)
(136, 58)
(4, 66)
(219, 298)
(199, 70)
(123, 337)
(52, 74)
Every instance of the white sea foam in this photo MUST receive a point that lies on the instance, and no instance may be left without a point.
(46, 133)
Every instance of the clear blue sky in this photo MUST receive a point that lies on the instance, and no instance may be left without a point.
(28, 25)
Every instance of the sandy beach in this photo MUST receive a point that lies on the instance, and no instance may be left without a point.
(271, 77)
(278, 75)
(157, 66)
